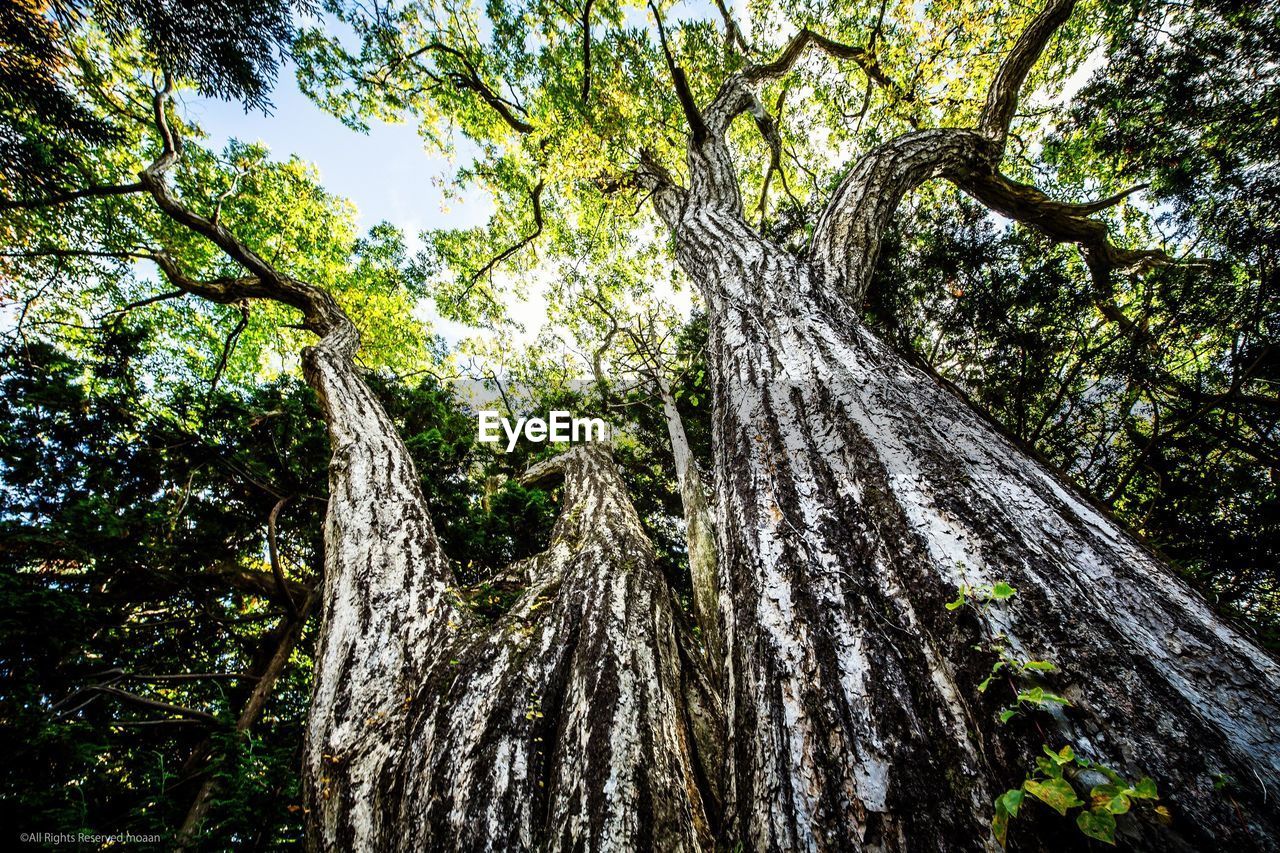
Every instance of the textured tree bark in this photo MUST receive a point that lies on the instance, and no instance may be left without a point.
(561, 725)
(572, 722)
(855, 495)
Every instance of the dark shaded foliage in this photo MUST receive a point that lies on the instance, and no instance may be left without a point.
(123, 513)
(33, 101)
(230, 49)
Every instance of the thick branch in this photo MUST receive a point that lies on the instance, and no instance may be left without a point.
(733, 37)
(712, 173)
(1063, 222)
(846, 241)
(697, 127)
(737, 95)
(1002, 97)
(322, 315)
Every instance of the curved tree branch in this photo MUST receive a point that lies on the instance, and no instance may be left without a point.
(1002, 96)
(535, 196)
(1062, 222)
(846, 240)
(737, 94)
(273, 551)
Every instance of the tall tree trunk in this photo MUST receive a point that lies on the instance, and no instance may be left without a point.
(699, 530)
(561, 725)
(566, 723)
(855, 495)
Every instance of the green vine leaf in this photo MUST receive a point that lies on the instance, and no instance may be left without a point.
(1002, 591)
(1110, 797)
(1000, 824)
(1011, 800)
(1056, 793)
(1040, 696)
(1144, 790)
(1099, 824)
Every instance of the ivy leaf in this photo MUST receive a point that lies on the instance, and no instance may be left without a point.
(1008, 714)
(1000, 824)
(1099, 824)
(1144, 790)
(1002, 591)
(1109, 797)
(1011, 801)
(1040, 696)
(959, 602)
(1040, 665)
(1057, 794)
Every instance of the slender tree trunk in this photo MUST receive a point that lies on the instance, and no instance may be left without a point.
(855, 495)
(289, 632)
(699, 531)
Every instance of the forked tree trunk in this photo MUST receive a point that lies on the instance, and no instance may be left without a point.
(855, 496)
(561, 725)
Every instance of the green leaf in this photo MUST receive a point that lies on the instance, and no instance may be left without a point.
(1144, 790)
(1039, 665)
(1057, 794)
(959, 602)
(1000, 824)
(1109, 797)
(1040, 696)
(1049, 767)
(1011, 800)
(986, 682)
(1002, 590)
(1008, 714)
(1099, 824)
